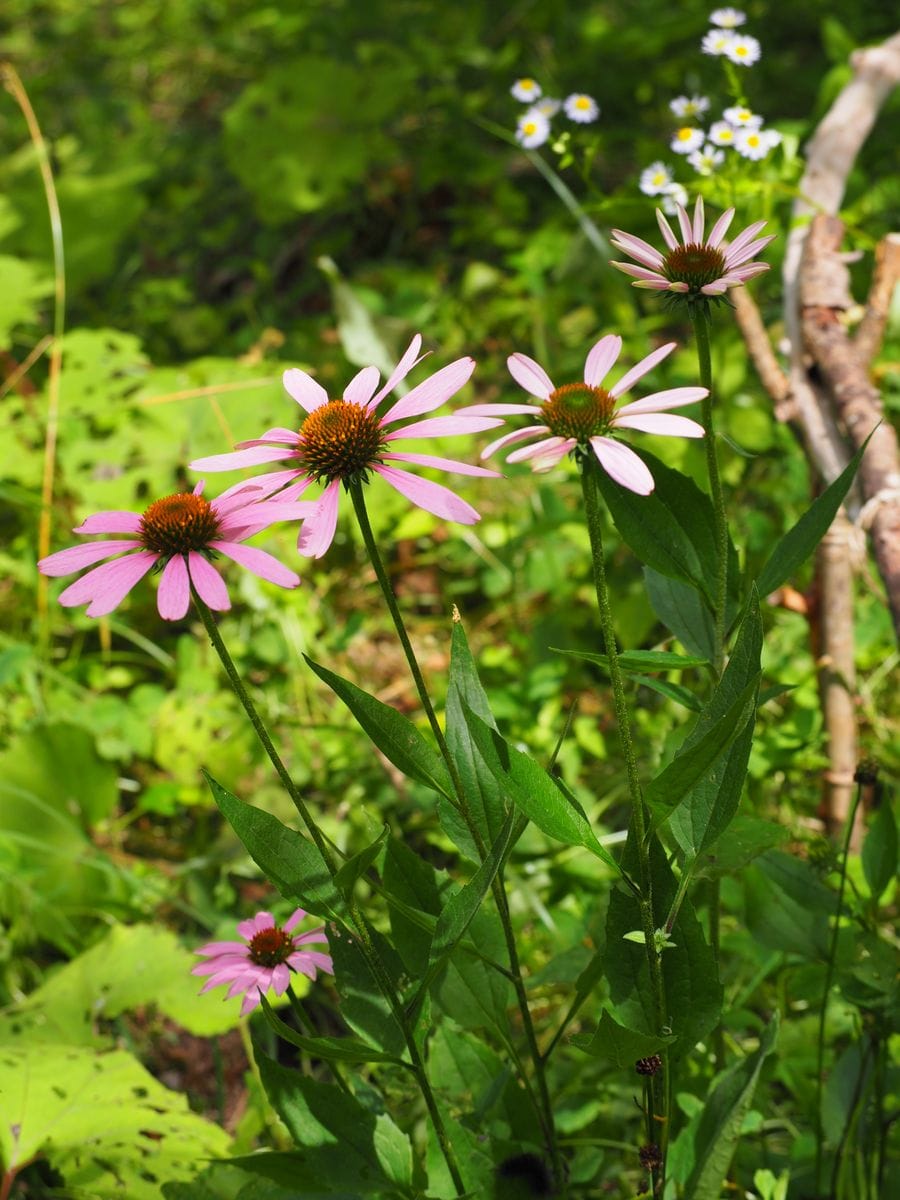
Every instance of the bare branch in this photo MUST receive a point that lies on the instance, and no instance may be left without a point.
(757, 341)
(885, 278)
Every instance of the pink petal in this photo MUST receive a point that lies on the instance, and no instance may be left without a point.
(666, 229)
(749, 271)
(235, 525)
(250, 1001)
(404, 366)
(443, 464)
(600, 358)
(530, 375)
(111, 522)
(718, 286)
(498, 410)
(699, 221)
(299, 913)
(546, 462)
(659, 284)
(314, 935)
(261, 922)
(361, 387)
(106, 587)
(317, 531)
(637, 249)
(433, 497)
(281, 978)
(222, 948)
(623, 465)
(640, 369)
(259, 562)
(661, 423)
(536, 450)
(660, 401)
(432, 392)
(304, 389)
(720, 228)
(66, 562)
(641, 273)
(239, 495)
(278, 434)
(744, 237)
(734, 258)
(174, 594)
(518, 435)
(684, 224)
(243, 458)
(247, 928)
(443, 427)
(307, 961)
(265, 485)
(209, 584)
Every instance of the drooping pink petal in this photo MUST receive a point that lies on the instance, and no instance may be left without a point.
(174, 593)
(498, 410)
(276, 435)
(222, 948)
(307, 961)
(639, 370)
(509, 439)
(404, 366)
(234, 525)
(661, 423)
(720, 228)
(65, 562)
(443, 427)
(666, 230)
(209, 584)
(600, 358)
(105, 587)
(718, 286)
(659, 284)
(259, 562)
(637, 248)
(642, 273)
(243, 458)
(546, 462)
(304, 389)
(314, 935)
(699, 222)
(433, 497)
(281, 978)
(530, 375)
(623, 465)
(432, 392)
(299, 913)
(361, 387)
(661, 401)
(250, 1001)
(110, 522)
(684, 224)
(536, 450)
(317, 531)
(443, 464)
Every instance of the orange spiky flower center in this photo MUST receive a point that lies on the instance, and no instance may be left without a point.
(577, 410)
(177, 524)
(270, 947)
(695, 264)
(340, 440)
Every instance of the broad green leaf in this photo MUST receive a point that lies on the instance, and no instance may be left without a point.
(879, 852)
(787, 906)
(410, 883)
(745, 839)
(394, 1151)
(798, 543)
(718, 1129)
(287, 859)
(618, 1044)
(682, 611)
(357, 866)
(472, 993)
(363, 1004)
(331, 1049)
(394, 735)
(640, 662)
(534, 792)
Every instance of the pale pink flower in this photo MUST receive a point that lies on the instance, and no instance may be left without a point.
(180, 534)
(698, 265)
(341, 441)
(581, 415)
(264, 959)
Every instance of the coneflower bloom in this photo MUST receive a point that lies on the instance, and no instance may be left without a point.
(341, 440)
(697, 266)
(582, 417)
(181, 534)
(264, 960)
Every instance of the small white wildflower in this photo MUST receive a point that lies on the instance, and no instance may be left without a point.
(689, 106)
(532, 129)
(755, 143)
(706, 160)
(727, 18)
(744, 51)
(722, 134)
(674, 195)
(526, 90)
(742, 118)
(581, 108)
(717, 41)
(548, 106)
(655, 179)
(687, 139)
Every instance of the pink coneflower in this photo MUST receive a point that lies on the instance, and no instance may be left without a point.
(264, 959)
(581, 415)
(181, 534)
(696, 266)
(340, 441)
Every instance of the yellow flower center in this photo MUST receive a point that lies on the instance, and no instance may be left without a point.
(339, 440)
(177, 524)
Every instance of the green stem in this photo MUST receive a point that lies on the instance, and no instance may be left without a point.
(829, 976)
(357, 917)
(594, 517)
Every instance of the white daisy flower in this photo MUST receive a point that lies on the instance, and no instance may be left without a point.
(689, 106)
(742, 118)
(655, 179)
(706, 160)
(581, 108)
(687, 139)
(727, 18)
(548, 105)
(722, 134)
(755, 143)
(717, 41)
(674, 195)
(532, 129)
(744, 51)
(526, 90)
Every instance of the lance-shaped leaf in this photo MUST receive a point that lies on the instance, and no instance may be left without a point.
(357, 866)
(640, 662)
(683, 611)
(331, 1049)
(394, 735)
(533, 791)
(286, 858)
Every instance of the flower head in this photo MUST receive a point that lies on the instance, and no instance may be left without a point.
(706, 160)
(741, 117)
(581, 108)
(532, 129)
(264, 959)
(743, 50)
(727, 18)
(181, 535)
(722, 133)
(716, 42)
(687, 139)
(582, 417)
(698, 267)
(655, 179)
(548, 106)
(755, 143)
(526, 90)
(673, 195)
(341, 440)
(685, 107)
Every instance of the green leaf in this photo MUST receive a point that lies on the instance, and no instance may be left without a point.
(798, 543)
(671, 691)
(682, 611)
(394, 1151)
(618, 1044)
(534, 792)
(745, 838)
(293, 864)
(363, 1004)
(357, 866)
(640, 662)
(879, 853)
(394, 735)
(332, 1049)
